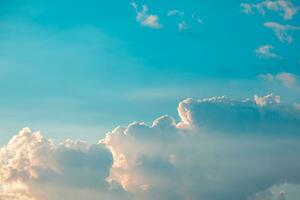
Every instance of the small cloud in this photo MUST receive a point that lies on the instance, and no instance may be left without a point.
(268, 77)
(265, 52)
(284, 8)
(297, 106)
(281, 31)
(197, 19)
(266, 100)
(182, 26)
(134, 5)
(247, 8)
(286, 79)
(191, 25)
(175, 12)
(144, 18)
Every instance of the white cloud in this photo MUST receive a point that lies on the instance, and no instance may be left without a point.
(182, 26)
(266, 100)
(144, 18)
(34, 168)
(265, 52)
(284, 8)
(185, 22)
(175, 12)
(207, 153)
(287, 79)
(221, 148)
(282, 31)
(197, 19)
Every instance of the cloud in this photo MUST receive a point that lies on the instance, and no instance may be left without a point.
(182, 26)
(32, 167)
(175, 12)
(265, 52)
(197, 19)
(284, 191)
(266, 100)
(287, 79)
(284, 8)
(144, 18)
(281, 31)
(221, 148)
(185, 22)
(207, 155)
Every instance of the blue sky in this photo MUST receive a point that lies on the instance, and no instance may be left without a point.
(78, 69)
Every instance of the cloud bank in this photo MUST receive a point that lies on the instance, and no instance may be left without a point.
(221, 149)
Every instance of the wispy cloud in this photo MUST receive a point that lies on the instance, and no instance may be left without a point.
(185, 21)
(265, 52)
(182, 26)
(144, 18)
(175, 12)
(284, 8)
(282, 31)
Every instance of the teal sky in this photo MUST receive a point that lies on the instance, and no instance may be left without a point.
(80, 68)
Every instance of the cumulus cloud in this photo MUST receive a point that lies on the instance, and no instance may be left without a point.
(282, 31)
(32, 167)
(144, 18)
(287, 79)
(265, 52)
(284, 8)
(221, 149)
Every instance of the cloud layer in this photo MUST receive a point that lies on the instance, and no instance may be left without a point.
(220, 149)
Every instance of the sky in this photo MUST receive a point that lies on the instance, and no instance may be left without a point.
(79, 69)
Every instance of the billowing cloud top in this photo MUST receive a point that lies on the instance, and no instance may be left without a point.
(221, 149)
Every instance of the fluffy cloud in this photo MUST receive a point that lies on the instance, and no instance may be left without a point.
(144, 18)
(265, 52)
(221, 149)
(284, 8)
(34, 168)
(282, 31)
(287, 79)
